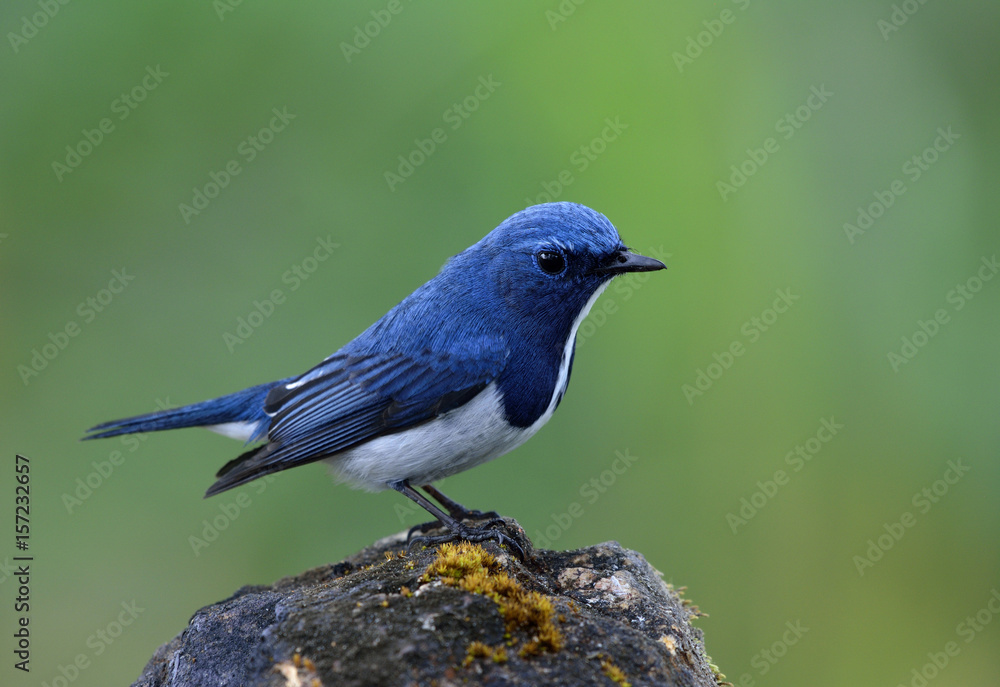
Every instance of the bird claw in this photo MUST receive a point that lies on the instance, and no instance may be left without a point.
(492, 516)
(493, 530)
(421, 528)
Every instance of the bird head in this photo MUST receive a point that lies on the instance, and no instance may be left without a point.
(547, 263)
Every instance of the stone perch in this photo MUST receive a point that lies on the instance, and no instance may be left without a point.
(460, 614)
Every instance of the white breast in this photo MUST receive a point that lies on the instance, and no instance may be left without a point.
(460, 439)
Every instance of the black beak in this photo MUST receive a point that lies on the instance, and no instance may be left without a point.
(627, 261)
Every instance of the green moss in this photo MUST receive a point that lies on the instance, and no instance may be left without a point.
(473, 569)
(614, 673)
(687, 603)
(483, 650)
(720, 677)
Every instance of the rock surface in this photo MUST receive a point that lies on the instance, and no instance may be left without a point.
(595, 616)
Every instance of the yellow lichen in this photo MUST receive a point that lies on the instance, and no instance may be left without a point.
(473, 569)
(476, 650)
(614, 673)
(483, 650)
(458, 561)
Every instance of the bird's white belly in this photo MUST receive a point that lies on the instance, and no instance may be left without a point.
(458, 440)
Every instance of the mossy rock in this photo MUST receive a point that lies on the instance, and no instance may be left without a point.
(457, 615)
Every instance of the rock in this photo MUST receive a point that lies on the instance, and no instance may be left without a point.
(460, 614)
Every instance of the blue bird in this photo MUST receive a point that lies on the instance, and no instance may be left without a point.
(464, 369)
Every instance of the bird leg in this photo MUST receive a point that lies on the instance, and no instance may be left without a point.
(494, 529)
(455, 509)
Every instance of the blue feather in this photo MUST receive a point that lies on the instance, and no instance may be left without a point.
(242, 406)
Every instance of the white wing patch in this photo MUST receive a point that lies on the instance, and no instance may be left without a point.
(235, 430)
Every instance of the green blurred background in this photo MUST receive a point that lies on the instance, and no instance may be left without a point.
(848, 93)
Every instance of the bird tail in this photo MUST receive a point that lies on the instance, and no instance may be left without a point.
(243, 406)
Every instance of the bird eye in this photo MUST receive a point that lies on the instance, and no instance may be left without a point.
(550, 261)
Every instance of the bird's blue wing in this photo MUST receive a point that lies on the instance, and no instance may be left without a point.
(349, 399)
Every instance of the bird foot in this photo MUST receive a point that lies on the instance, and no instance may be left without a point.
(423, 527)
(496, 529)
(465, 515)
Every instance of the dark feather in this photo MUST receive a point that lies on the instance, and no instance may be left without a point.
(350, 399)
